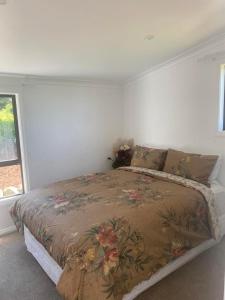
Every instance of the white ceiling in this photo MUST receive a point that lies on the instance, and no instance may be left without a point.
(101, 39)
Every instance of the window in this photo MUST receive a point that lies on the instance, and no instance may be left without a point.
(224, 112)
(221, 126)
(11, 177)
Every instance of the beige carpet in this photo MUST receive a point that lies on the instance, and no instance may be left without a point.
(21, 278)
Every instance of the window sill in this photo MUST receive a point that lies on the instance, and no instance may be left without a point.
(9, 200)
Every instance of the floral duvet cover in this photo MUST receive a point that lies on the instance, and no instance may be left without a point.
(110, 231)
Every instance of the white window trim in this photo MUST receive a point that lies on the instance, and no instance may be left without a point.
(20, 119)
(221, 131)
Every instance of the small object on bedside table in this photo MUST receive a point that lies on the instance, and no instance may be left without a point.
(122, 157)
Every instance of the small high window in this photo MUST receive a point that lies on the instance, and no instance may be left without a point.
(11, 177)
(221, 124)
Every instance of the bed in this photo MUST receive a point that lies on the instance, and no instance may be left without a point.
(140, 225)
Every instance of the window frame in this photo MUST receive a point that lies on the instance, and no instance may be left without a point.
(223, 113)
(17, 161)
(221, 110)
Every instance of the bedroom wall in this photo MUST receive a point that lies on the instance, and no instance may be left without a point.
(177, 104)
(68, 129)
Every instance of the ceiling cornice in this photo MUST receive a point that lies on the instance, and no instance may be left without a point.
(51, 80)
(197, 50)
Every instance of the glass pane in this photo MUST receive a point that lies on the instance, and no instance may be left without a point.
(8, 149)
(10, 181)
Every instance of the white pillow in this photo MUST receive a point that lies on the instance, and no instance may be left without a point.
(215, 172)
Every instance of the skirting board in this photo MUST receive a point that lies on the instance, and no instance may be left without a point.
(7, 230)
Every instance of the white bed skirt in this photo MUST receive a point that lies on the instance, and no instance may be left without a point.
(54, 271)
(47, 263)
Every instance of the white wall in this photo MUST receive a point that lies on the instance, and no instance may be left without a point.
(177, 105)
(68, 129)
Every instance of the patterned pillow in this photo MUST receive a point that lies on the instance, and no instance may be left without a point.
(192, 166)
(148, 158)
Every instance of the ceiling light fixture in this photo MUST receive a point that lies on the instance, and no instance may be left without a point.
(149, 37)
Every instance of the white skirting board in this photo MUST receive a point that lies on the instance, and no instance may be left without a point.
(54, 271)
(7, 230)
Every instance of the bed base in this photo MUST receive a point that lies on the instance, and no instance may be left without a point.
(48, 264)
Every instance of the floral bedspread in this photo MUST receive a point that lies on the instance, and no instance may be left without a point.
(110, 231)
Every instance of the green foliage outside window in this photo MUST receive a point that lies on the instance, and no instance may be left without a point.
(7, 128)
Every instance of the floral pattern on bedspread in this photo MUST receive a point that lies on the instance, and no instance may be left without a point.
(110, 231)
(204, 190)
(112, 250)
